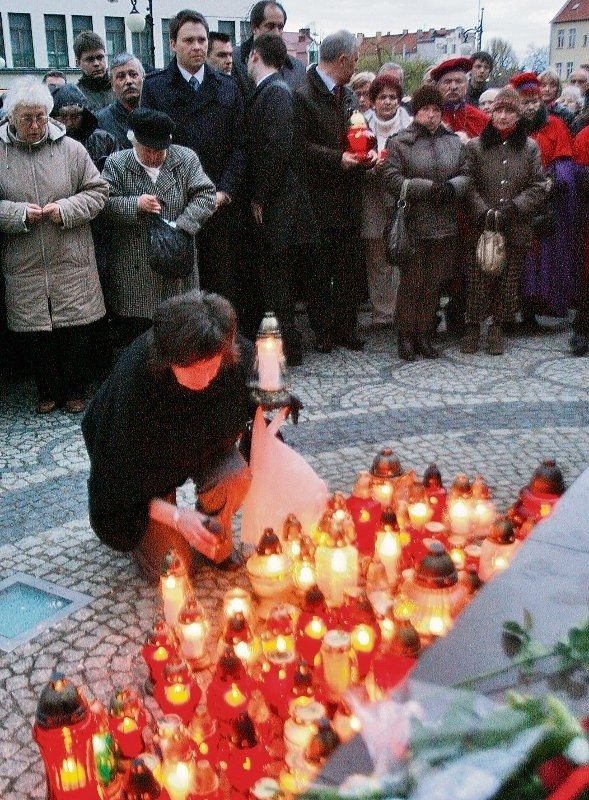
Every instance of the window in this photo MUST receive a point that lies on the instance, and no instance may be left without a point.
(585, 39)
(115, 36)
(2, 50)
(56, 36)
(558, 66)
(453, 48)
(141, 43)
(572, 37)
(227, 27)
(80, 23)
(21, 39)
(560, 38)
(166, 49)
(570, 68)
(245, 30)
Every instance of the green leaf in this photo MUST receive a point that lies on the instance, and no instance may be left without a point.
(528, 621)
(515, 629)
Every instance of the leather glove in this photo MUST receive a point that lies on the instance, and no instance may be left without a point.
(442, 192)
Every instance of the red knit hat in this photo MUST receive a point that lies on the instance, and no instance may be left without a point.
(452, 65)
(526, 83)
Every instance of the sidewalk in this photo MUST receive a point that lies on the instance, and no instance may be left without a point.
(495, 416)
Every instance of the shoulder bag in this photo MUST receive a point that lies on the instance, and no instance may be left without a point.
(400, 244)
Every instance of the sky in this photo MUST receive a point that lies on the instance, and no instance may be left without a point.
(520, 22)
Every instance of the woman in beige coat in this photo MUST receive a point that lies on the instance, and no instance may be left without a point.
(49, 192)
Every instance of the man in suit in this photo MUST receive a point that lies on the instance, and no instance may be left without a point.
(279, 211)
(323, 106)
(266, 16)
(207, 108)
(220, 55)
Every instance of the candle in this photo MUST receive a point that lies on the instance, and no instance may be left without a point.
(460, 518)
(337, 569)
(269, 352)
(388, 550)
(363, 640)
(301, 725)
(193, 640)
(238, 601)
(419, 514)
(309, 643)
(278, 679)
(383, 493)
(177, 694)
(129, 738)
(173, 597)
(337, 665)
(303, 575)
(72, 775)
(178, 779)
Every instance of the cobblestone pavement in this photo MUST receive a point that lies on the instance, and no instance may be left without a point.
(497, 416)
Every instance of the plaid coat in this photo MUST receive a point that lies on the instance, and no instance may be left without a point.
(187, 197)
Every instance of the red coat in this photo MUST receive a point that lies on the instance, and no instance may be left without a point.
(581, 147)
(554, 141)
(467, 118)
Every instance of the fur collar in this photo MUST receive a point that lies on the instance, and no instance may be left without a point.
(491, 137)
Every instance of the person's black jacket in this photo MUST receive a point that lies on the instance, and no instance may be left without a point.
(146, 435)
(99, 143)
(322, 125)
(292, 73)
(114, 119)
(209, 121)
(273, 178)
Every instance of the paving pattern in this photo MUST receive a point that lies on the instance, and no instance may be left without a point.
(497, 416)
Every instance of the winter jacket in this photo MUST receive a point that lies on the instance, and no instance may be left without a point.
(502, 171)
(187, 197)
(50, 270)
(426, 160)
(98, 91)
(292, 73)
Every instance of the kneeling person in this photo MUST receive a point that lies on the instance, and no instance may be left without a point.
(173, 408)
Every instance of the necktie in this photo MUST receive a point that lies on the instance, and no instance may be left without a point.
(194, 84)
(337, 93)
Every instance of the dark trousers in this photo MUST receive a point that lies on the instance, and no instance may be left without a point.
(59, 360)
(217, 247)
(417, 299)
(332, 282)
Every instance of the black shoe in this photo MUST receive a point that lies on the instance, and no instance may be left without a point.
(425, 348)
(323, 344)
(405, 349)
(579, 344)
(351, 341)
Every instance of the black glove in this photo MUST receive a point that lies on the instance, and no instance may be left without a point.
(507, 212)
(294, 406)
(442, 192)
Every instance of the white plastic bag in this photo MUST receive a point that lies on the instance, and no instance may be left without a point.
(282, 483)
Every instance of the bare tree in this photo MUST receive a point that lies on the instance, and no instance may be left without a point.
(505, 63)
(536, 58)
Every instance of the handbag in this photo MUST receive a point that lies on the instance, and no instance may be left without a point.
(172, 250)
(400, 244)
(490, 252)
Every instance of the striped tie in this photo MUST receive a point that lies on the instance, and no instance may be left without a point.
(194, 84)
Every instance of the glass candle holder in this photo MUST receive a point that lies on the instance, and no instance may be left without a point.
(336, 660)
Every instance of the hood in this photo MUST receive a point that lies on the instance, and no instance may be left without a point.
(69, 95)
(56, 131)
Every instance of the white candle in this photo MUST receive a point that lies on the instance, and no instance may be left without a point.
(193, 639)
(178, 779)
(269, 352)
(459, 514)
(173, 596)
(388, 549)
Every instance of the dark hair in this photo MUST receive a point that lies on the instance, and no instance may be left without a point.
(186, 15)
(53, 73)
(190, 327)
(483, 56)
(258, 11)
(384, 81)
(427, 95)
(218, 36)
(86, 41)
(271, 49)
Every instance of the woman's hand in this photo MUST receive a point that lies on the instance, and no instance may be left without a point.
(34, 213)
(149, 204)
(53, 211)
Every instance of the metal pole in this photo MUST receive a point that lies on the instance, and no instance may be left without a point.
(151, 31)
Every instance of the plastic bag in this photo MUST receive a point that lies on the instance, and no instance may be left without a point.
(172, 250)
(282, 483)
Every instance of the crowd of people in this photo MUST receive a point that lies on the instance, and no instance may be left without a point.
(244, 153)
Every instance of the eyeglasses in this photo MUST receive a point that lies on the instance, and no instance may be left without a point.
(29, 120)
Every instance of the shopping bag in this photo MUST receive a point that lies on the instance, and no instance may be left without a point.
(282, 483)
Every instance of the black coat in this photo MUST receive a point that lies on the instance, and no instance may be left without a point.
(322, 125)
(147, 435)
(273, 165)
(209, 121)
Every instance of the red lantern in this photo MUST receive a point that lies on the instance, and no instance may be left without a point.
(141, 785)
(158, 648)
(278, 671)
(435, 492)
(365, 513)
(247, 757)
(359, 137)
(64, 728)
(394, 658)
(177, 693)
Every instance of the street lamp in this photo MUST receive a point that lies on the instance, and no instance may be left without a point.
(478, 31)
(136, 23)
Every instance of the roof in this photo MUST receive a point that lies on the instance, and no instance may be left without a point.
(573, 11)
(398, 44)
(297, 43)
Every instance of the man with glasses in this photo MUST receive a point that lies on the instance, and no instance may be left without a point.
(90, 55)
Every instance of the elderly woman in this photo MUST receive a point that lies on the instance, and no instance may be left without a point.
(507, 180)
(550, 89)
(486, 99)
(153, 178)
(50, 191)
(383, 278)
(360, 85)
(432, 160)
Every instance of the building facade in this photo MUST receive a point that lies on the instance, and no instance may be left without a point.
(569, 37)
(40, 36)
(431, 45)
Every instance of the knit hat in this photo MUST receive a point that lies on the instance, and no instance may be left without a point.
(427, 95)
(526, 83)
(151, 128)
(509, 99)
(451, 65)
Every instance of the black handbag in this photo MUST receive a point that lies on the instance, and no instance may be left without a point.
(400, 244)
(172, 250)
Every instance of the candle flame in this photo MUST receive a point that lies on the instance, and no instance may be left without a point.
(127, 725)
(437, 626)
(388, 545)
(339, 562)
(281, 644)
